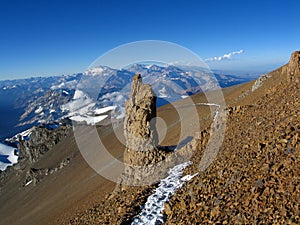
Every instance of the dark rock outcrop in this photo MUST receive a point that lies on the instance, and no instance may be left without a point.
(41, 141)
(31, 149)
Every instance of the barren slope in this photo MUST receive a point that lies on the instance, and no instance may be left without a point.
(254, 179)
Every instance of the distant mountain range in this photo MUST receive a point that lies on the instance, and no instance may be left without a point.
(28, 102)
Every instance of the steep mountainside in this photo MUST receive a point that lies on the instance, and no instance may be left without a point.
(255, 177)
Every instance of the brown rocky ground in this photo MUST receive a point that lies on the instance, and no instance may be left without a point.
(255, 178)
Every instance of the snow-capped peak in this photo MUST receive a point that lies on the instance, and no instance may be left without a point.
(99, 70)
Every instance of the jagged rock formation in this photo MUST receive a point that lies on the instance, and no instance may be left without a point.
(144, 160)
(294, 64)
(139, 126)
(31, 149)
(41, 141)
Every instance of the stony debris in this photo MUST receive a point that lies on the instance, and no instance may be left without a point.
(255, 178)
(5, 174)
(259, 82)
(33, 176)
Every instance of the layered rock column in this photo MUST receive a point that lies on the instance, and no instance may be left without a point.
(139, 130)
(293, 67)
(294, 64)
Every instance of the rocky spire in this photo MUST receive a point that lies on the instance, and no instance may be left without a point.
(294, 64)
(139, 130)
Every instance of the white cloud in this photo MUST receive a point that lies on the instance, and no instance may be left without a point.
(225, 56)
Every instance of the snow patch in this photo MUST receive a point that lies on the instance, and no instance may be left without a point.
(259, 82)
(65, 92)
(29, 182)
(104, 110)
(25, 135)
(163, 93)
(67, 85)
(80, 94)
(7, 156)
(38, 110)
(101, 70)
(90, 120)
(82, 109)
(151, 213)
(80, 104)
(188, 177)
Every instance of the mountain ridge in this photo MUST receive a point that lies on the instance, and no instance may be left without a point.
(206, 195)
(41, 99)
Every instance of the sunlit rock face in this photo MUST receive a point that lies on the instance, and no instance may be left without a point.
(139, 130)
(294, 64)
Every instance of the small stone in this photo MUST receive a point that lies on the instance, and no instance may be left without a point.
(259, 184)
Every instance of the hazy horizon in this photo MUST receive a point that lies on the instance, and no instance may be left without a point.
(241, 73)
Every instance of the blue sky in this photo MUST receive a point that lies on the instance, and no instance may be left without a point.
(53, 37)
